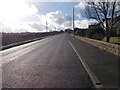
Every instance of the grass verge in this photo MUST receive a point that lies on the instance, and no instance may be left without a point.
(115, 40)
(20, 43)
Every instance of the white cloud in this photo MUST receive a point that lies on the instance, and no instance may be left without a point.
(21, 27)
(68, 18)
(84, 23)
(4, 28)
(67, 24)
(79, 15)
(81, 5)
(53, 0)
(11, 14)
(39, 27)
(52, 17)
(56, 20)
(30, 27)
(11, 10)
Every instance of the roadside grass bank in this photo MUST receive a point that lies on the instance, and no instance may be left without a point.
(109, 47)
(113, 40)
(19, 43)
(22, 42)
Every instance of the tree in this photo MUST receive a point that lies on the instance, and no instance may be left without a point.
(104, 12)
(95, 29)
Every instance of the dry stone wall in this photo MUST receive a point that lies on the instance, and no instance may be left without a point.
(112, 48)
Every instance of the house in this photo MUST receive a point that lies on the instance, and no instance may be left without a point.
(68, 30)
(80, 32)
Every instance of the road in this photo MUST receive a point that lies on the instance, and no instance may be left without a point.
(53, 63)
(104, 65)
(47, 63)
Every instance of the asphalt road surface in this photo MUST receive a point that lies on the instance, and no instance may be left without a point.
(105, 66)
(47, 63)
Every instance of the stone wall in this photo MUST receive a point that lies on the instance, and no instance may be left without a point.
(112, 48)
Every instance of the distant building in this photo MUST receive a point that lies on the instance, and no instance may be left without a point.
(93, 25)
(68, 30)
(80, 32)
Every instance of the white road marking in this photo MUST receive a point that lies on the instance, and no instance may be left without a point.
(94, 79)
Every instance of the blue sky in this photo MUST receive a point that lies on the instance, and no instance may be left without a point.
(47, 7)
(65, 7)
(19, 16)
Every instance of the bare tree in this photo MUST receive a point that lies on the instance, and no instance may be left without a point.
(104, 12)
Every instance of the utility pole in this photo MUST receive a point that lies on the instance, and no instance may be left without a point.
(46, 27)
(55, 28)
(73, 18)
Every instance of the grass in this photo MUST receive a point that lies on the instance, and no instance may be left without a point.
(19, 43)
(113, 40)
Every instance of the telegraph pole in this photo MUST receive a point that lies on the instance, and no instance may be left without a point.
(46, 27)
(55, 28)
(73, 18)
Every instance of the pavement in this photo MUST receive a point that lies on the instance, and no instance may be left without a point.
(46, 63)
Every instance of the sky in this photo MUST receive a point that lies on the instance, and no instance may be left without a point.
(27, 16)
